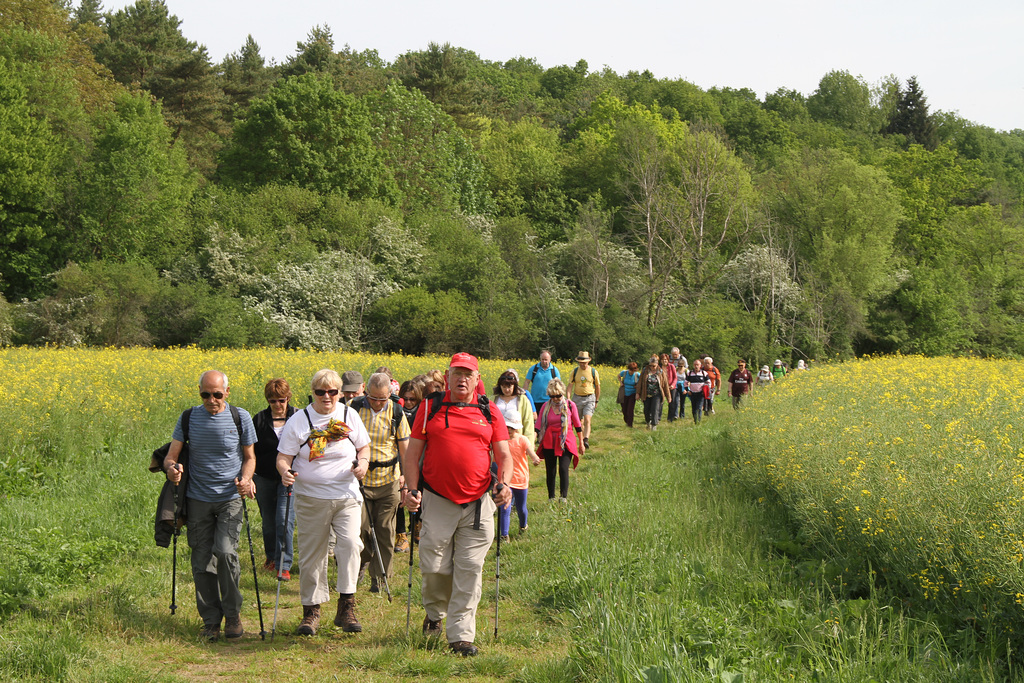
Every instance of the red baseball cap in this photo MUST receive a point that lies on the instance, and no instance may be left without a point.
(464, 360)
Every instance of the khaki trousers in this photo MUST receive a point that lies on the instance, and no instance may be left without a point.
(315, 518)
(452, 557)
(381, 505)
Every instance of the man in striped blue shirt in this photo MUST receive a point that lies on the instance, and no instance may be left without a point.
(221, 462)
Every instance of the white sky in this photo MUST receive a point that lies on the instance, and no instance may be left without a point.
(968, 57)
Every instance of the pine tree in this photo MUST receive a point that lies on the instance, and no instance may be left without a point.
(911, 118)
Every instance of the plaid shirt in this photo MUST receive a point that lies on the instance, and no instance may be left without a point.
(383, 443)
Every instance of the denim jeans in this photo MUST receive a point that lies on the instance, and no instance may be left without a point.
(272, 498)
(697, 398)
(675, 408)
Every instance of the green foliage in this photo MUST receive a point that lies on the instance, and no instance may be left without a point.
(306, 132)
(145, 48)
(416, 321)
(431, 161)
(842, 100)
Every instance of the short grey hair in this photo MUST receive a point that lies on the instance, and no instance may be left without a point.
(223, 377)
(378, 380)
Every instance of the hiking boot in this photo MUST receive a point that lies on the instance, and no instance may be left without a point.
(346, 617)
(505, 538)
(466, 649)
(285, 575)
(269, 565)
(402, 543)
(586, 444)
(210, 632)
(233, 627)
(374, 586)
(523, 529)
(431, 628)
(310, 620)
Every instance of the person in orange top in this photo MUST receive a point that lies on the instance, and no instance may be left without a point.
(715, 379)
(522, 455)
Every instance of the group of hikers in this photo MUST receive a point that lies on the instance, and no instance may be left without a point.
(668, 379)
(346, 469)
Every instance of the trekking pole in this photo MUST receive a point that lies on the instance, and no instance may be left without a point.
(252, 556)
(280, 557)
(412, 551)
(174, 560)
(376, 545)
(497, 568)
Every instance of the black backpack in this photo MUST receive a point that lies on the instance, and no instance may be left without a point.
(437, 402)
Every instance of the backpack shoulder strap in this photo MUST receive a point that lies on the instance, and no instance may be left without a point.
(237, 417)
(186, 417)
(573, 378)
(485, 407)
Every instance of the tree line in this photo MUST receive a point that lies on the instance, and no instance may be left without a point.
(150, 196)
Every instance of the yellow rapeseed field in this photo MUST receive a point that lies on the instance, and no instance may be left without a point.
(908, 469)
(100, 393)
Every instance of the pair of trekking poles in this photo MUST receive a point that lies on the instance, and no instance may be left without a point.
(252, 557)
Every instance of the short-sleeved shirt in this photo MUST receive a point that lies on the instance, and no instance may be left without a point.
(778, 371)
(457, 455)
(520, 463)
(741, 381)
(383, 442)
(629, 380)
(329, 477)
(584, 382)
(539, 380)
(215, 452)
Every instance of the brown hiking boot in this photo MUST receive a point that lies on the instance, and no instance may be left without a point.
(464, 648)
(346, 617)
(210, 632)
(402, 543)
(310, 620)
(431, 628)
(233, 627)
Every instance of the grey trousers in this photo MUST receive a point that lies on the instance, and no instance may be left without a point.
(382, 503)
(213, 530)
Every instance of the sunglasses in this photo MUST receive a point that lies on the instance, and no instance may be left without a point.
(329, 392)
(206, 394)
(555, 396)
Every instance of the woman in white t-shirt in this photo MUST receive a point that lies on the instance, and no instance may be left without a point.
(515, 405)
(324, 452)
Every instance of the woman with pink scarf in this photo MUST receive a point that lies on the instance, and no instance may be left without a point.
(558, 448)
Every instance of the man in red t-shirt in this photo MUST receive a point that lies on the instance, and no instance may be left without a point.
(740, 382)
(454, 445)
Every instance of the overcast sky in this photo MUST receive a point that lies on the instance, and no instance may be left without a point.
(968, 57)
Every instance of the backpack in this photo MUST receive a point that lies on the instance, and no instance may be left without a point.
(172, 514)
(360, 402)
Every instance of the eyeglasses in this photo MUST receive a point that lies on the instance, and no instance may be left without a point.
(277, 400)
(206, 394)
(377, 400)
(329, 392)
(553, 396)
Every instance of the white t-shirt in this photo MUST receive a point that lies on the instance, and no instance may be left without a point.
(509, 408)
(329, 477)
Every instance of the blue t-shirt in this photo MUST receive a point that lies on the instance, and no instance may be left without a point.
(629, 380)
(215, 452)
(539, 379)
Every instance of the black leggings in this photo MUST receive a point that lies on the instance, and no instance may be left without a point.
(562, 462)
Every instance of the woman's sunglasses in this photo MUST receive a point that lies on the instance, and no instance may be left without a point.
(329, 392)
